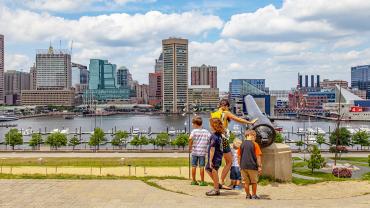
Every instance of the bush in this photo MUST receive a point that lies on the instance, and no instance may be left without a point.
(342, 172)
(369, 160)
(338, 149)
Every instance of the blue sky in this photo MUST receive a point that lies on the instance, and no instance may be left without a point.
(244, 38)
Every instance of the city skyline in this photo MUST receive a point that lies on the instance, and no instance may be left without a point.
(248, 39)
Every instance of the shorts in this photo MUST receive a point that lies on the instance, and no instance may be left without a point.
(235, 173)
(225, 145)
(216, 166)
(198, 161)
(249, 176)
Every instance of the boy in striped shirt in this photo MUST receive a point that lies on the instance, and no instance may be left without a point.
(198, 146)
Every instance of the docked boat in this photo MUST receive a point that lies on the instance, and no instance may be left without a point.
(365, 129)
(237, 130)
(27, 132)
(311, 139)
(301, 131)
(310, 131)
(65, 131)
(4, 118)
(69, 117)
(351, 130)
(135, 131)
(172, 131)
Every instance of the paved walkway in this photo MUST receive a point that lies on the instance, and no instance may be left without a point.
(305, 177)
(72, 154)
(129, 193)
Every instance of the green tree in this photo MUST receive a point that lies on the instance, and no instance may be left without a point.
(232, 137)
(181, 140)
(316, 161)
(343, 136)
(135, 141)
(162, 140)
(120, 138)
(299, 144)
(56, 140)
(361, 138)
(320, 139)
(97, 138)
(74, 141)
(279, 137)
(13, 137)
(153, 141)
(36, 140)
(143, 141)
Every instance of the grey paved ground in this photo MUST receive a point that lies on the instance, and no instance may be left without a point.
(71, 154)
(128, 193)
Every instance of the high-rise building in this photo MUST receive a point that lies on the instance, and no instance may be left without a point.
(159, 64)
(54, 69)
(15, 82)
(80, 78)
(102, 84)
(124, 78)
(102, 74)
(2, 69)
(33, 78)
(203, 97)
(175, 75)
(360, 78)
(142, 93)
(240, 87)
(155, 88)
(204, 75)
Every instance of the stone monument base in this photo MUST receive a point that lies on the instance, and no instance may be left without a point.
(277, 162)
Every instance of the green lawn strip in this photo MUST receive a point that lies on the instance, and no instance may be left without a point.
(354, 159)
(366, 176)
(296, 158)
(96, 162)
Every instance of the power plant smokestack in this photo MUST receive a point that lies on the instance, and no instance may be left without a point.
(306, 81)
(300, 80)
(318, 80)
(312, 81)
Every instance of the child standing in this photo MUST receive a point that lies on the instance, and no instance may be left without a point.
(250, 163)
(198, 145)
(235, 175)
(215, 153)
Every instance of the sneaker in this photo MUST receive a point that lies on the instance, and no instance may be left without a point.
(202, 183)
(255, 197)
(213, 193)
(248, 196)
(237, 188)
(194, 183)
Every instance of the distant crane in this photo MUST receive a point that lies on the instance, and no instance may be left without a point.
(71, 47)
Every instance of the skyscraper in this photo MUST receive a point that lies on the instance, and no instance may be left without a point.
(14, 83)
(360, 78)
(54, 69)
(159, 64)
(124, 78)
(204, 75)
(175, 74)
(102, 74)
(1, 69)
(33, 77)
(155, 88)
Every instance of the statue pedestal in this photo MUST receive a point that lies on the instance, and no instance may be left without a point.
(277, 162)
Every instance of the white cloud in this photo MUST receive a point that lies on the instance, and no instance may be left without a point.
(17, 62)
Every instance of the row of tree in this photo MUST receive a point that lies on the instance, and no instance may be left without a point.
(120, 139)
(341, 135)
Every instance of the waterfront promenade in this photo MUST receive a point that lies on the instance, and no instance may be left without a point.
(133, 193)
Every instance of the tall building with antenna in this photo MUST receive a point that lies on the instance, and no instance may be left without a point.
(2, 69)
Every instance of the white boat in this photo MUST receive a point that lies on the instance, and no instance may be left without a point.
(7, 118)
(351, 130)
(65, 131)
(319, 130)
(135, 131)
(172, 131)
(365, 129)
(27, 132)
(301, 131)
(55, 131)
(310, 131)
(311, 139)
(237, 130)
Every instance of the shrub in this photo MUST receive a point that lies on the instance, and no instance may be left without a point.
(338, 149)
(342, 172)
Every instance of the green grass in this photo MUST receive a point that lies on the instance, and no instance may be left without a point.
(296, 158)
(96, 162)
(354, 159)
(366, 177)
